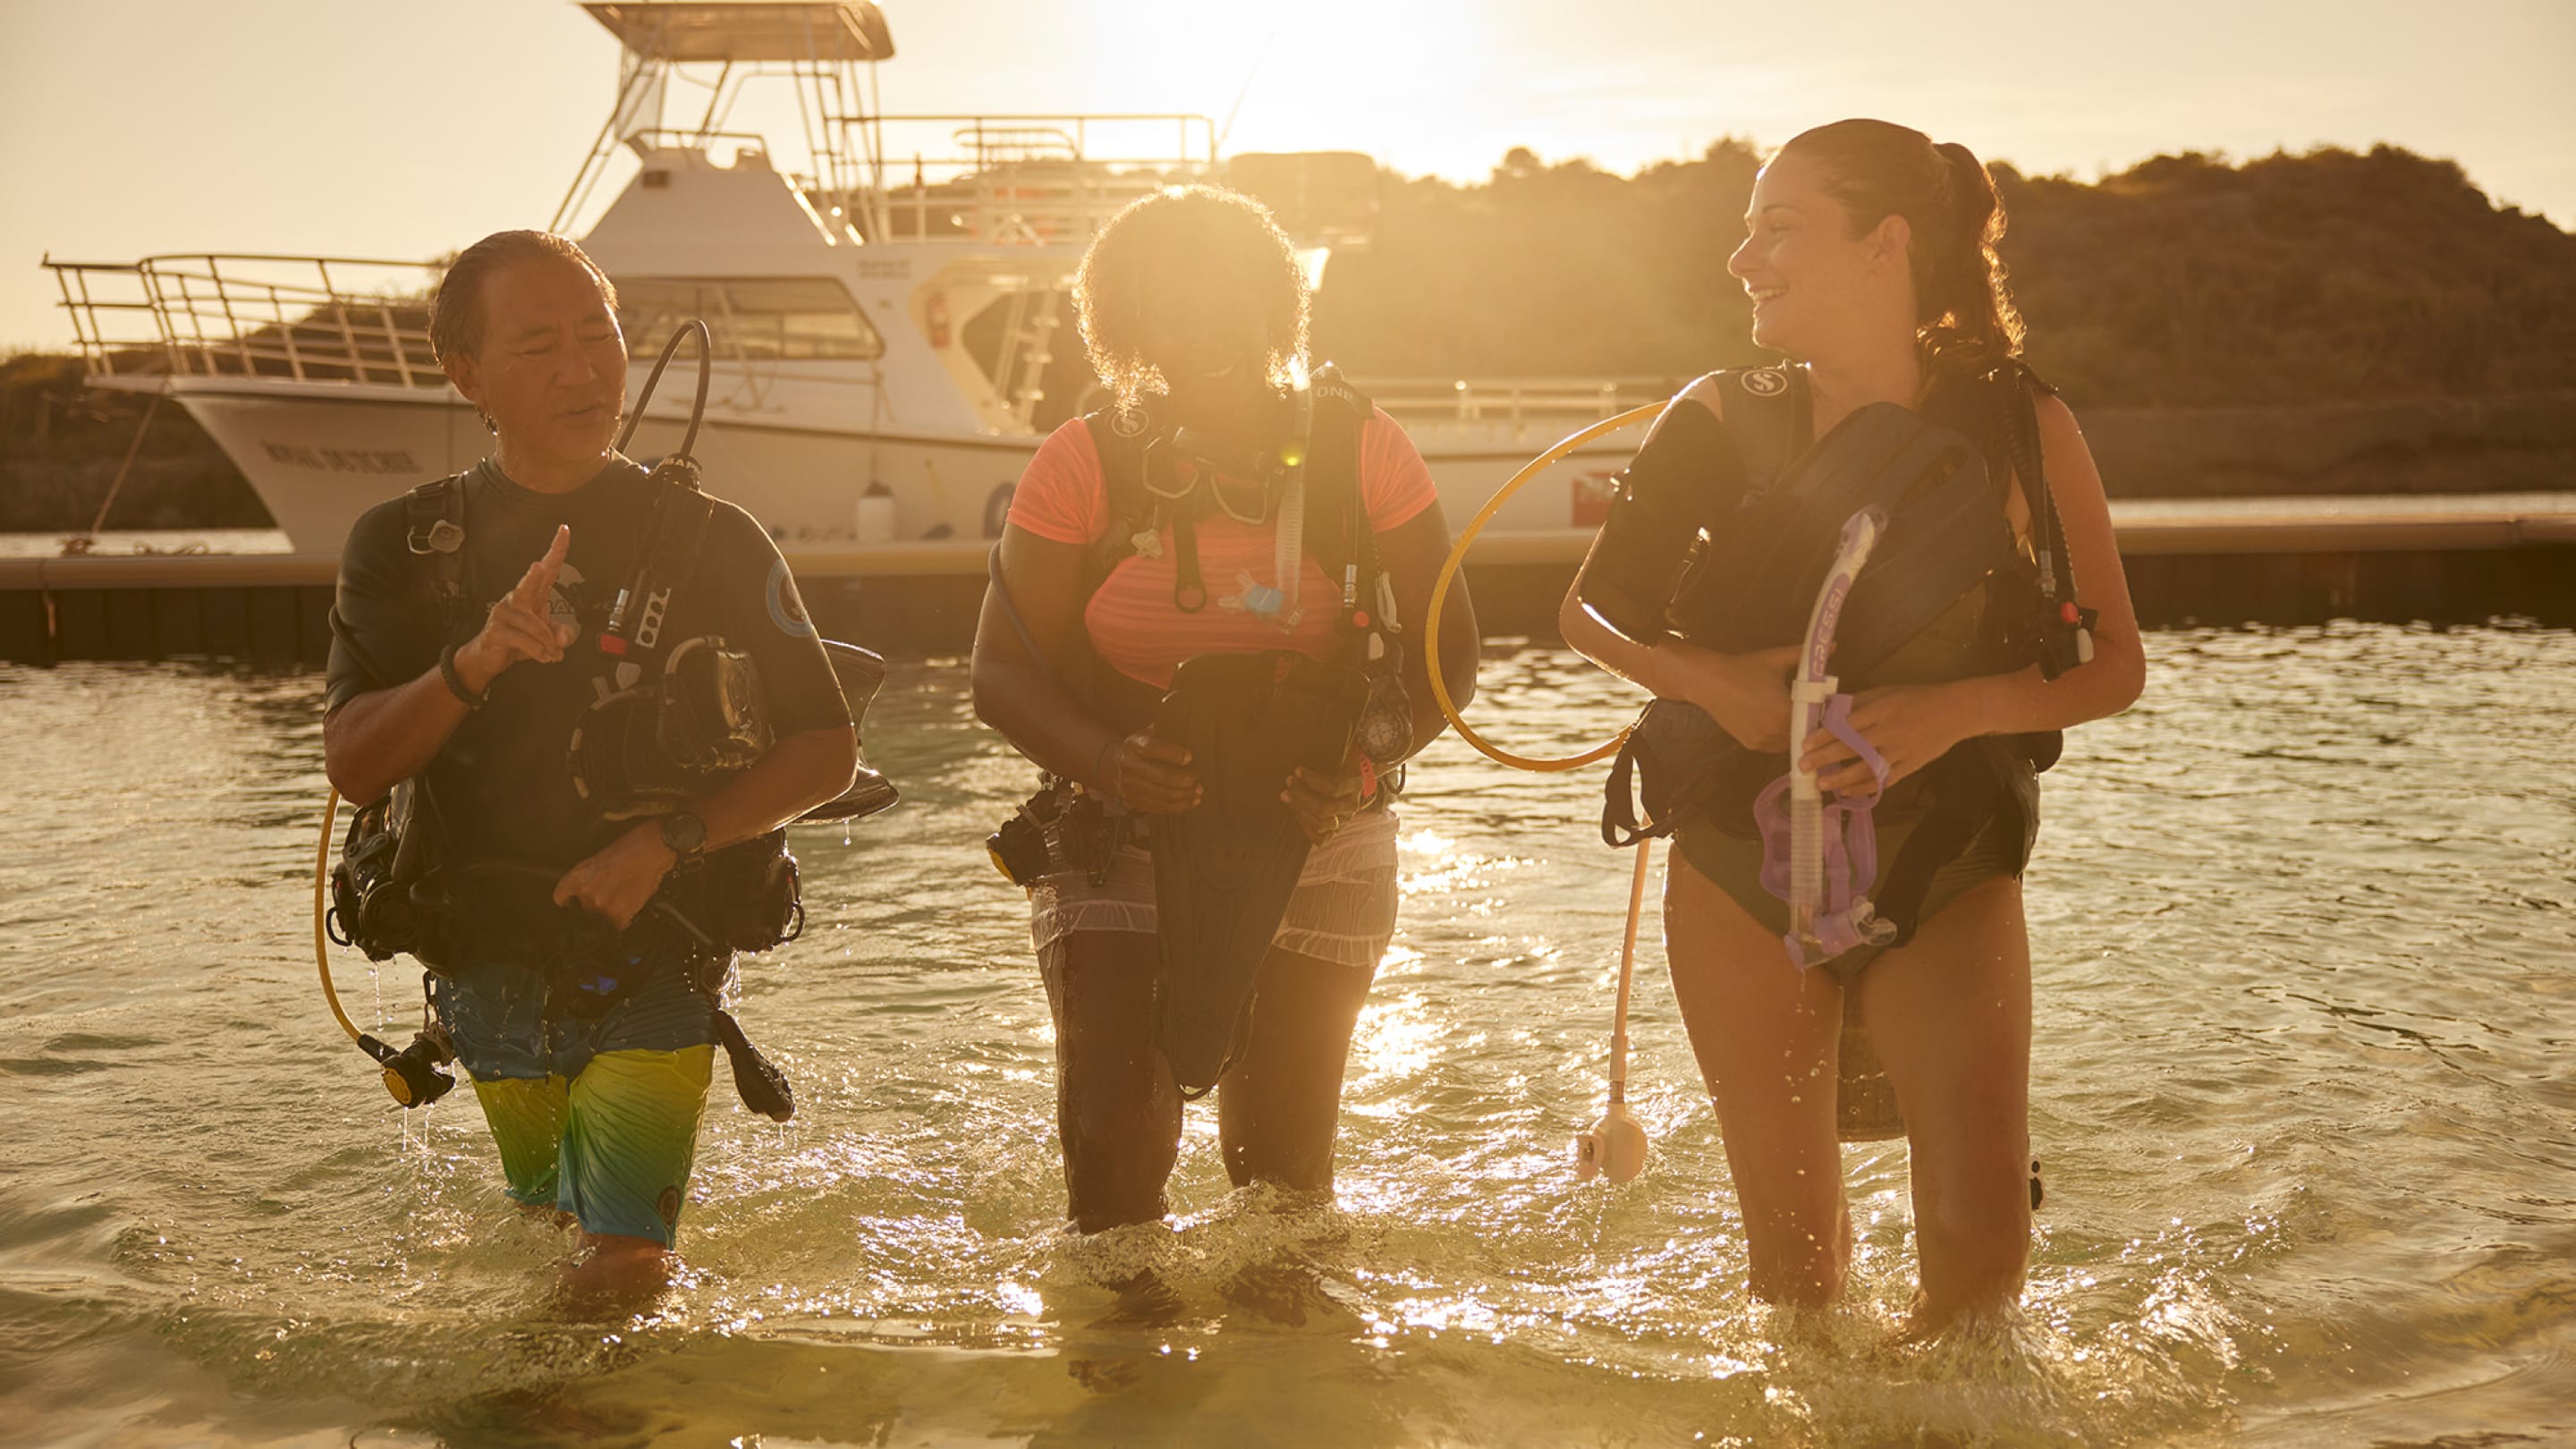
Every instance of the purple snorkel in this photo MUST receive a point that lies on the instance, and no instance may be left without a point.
(1822, 857)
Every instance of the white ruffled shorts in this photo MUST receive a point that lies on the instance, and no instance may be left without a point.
(1343, 910)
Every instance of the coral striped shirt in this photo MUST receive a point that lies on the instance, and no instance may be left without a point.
(1133, 623)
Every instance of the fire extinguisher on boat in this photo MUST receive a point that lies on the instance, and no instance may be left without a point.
(936, 315)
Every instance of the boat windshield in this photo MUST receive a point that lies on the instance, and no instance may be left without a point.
(770, 319)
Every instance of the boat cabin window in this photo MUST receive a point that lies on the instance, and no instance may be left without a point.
(793, 319)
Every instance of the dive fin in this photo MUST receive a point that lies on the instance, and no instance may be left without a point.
(762, 1086)
(860, 673)
(1224, 871)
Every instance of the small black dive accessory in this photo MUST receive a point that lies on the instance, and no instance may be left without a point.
(371, 906)
(412, 1076)
(1059, 829)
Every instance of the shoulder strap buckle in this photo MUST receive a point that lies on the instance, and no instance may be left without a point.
(1328, 382)
(432, 512)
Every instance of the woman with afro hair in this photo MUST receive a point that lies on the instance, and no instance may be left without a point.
(1193, 308)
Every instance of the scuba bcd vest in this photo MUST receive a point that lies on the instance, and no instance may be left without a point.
(685, 715)
(1720, 535)
(1310, 475)
(1317, 455)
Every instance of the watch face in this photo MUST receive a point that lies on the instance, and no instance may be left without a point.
(684, 833)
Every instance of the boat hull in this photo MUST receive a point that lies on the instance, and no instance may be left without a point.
(320, 457)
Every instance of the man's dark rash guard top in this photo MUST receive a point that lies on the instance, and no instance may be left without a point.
(503, 782)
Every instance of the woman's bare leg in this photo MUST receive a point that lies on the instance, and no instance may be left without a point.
(1281, 1104)
(1950, 1014)
(1765, 1034)
(1115, 1108)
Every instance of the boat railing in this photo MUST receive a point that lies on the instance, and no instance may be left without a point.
(1026, 179)
(1519, 403)
(213, 314)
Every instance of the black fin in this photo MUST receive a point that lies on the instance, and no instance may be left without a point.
(1223, 872)
(762, 1086)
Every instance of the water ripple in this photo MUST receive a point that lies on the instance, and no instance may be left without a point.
(2302, 1078)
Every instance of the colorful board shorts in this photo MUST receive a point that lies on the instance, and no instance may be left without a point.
(596, 1117)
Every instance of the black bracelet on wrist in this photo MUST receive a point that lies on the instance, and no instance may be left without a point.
(456, 681)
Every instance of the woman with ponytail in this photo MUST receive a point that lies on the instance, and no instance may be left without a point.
(1870, 261)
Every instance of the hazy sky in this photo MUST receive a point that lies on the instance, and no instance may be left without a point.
(405, 128)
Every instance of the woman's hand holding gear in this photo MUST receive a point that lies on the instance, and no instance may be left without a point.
(519, 625)
(1147, 774)
(1324, 804)
(1747, 694)
(1910, 725)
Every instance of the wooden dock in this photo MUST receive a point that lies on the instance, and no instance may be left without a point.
(2282, 561)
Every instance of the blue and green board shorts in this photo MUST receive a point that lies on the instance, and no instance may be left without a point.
(598, 1118)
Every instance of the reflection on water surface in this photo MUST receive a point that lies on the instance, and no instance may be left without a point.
(2302, 922)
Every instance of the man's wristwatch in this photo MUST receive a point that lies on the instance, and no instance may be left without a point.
(456, 681)
(685, 834)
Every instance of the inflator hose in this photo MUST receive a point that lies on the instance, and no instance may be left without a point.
(321, 914)
(1440, 691)
(1449, 570)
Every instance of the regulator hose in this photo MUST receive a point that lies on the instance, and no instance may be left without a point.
(322, 915)
(1449, 570)
(693, 328)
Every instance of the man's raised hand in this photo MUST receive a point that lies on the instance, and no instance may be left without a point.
(519, 625)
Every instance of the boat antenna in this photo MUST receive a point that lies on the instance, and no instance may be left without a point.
(1259, 57)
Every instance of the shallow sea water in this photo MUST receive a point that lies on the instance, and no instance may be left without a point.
(2305, 1081)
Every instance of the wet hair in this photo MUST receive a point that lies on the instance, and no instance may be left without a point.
(456, 317)
(1191, 235)
(1964, 318)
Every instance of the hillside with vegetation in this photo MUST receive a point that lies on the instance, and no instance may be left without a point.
(62, 444)
(2325, 277)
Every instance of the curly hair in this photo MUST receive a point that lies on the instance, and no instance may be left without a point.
(456, 316)
(1965, 321)
(1185, 236)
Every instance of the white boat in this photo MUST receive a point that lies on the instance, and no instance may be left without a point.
(889, 301)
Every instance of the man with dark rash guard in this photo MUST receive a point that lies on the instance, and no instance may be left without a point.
(593, 1099)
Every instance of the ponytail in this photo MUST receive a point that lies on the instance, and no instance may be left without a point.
(1963, 311)
(1964, 319)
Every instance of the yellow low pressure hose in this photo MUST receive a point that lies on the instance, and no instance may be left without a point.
(1615, 1146)
(321, 914)
(1449, 571)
